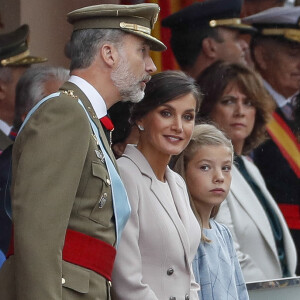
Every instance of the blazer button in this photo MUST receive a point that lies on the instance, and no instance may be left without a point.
(187, 297)
(63, 281)
(170, 271)
(172, 298)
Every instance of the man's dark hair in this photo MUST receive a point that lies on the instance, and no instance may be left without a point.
(187, 44)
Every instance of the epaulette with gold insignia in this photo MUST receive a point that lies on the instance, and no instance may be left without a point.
(70, 93)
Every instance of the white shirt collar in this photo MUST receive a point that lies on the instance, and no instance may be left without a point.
(279, 99)
(92, 94)
(5, 127)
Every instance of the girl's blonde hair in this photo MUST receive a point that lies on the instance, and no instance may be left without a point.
(203, 135)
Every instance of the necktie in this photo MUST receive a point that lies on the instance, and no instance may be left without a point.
(107, 123)
(287, 110)
(13, 134)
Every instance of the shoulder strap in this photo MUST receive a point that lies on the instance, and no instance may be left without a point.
(36, 107)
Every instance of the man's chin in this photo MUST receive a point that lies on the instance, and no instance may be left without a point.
(137, 97)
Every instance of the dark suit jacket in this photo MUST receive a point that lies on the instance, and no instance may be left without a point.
(281, 180)
(5, 182)
(56, 185)
(5, 141)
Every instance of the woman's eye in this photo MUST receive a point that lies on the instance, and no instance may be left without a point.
(165, 113)
(226, 101)
(189, 117)
(248, 103)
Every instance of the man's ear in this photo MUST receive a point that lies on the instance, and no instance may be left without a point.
(109, 54)
(3, 90)
(260, 57)
(209, 47)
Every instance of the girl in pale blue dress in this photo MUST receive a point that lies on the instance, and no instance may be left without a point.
(206, 166)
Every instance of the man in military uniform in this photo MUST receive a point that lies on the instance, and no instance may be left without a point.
(69, 205)
(276, 54)
(14, 60)
(205, 32)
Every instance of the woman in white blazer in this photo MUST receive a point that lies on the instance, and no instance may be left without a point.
(162, 235)
(235, 100)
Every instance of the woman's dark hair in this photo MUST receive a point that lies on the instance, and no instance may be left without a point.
(119, 114)
(213, 82)
(164, 87)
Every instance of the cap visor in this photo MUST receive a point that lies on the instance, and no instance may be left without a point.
(155, 44)
(29, 60)
(243, 28)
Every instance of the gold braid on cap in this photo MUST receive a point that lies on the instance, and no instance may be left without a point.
(13, 59)
(223, 22)
(288, 33)
(135, 27)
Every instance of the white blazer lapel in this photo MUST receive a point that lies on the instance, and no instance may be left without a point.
(174, 215)
(248, 200)
(171, 211)
(179, 196)
(290, 248)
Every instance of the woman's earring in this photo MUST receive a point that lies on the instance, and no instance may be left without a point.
(141, 128)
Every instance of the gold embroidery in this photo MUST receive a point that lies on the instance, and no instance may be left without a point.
(70, 93)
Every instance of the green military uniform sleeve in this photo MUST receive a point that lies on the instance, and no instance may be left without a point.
(50, 154)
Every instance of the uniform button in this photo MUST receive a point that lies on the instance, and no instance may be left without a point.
(108, 181)
(172, 298)
(170, 271)
(63, 281)
(187, 297)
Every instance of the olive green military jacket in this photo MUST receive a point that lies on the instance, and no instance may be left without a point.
(58, 180)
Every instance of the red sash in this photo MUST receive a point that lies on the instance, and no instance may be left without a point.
(85, 251)
(291, 213)
(286, 141)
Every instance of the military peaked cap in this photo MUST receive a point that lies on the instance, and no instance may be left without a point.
(281, 22)
(14, 48)
(210, 13)
(137, 19)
